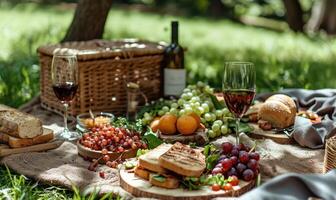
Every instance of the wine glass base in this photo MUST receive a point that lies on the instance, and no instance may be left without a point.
(68, 135)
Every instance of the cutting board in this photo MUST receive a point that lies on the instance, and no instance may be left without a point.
(142, 188)
(5, 150)
(277, 137)
(199, 137)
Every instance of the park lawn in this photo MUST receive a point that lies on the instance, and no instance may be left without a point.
(282, 59)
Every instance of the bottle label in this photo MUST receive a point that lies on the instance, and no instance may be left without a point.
(174, 81)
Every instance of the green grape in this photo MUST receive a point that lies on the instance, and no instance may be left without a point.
(165, 108)
(201, 110)
(218, 133)
(198, 104)
(198, 111)
(203, 120)
(174, 111)
(195, 92)
(189, 94)
(211, 134)
(224, 129)
(215, 127)
(186, 90)
(226, 119)
(180, 102)
(219, 122)
(184, 96)
(195, 99)
(182, 112)
(226, 112)
(208, 117)
(188, 110)
(200, 84)
(148, 118)
(205, 107)
(213, 117)
(174, 105)
(219, 113)
(146, 114)
(192, 87)
(161, 112)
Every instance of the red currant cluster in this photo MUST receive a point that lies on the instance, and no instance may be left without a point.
(108, 138)
(238, 160)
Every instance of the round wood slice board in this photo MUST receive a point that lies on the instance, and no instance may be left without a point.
(280, 138)
(142, 188)
(93, 154)
(199, 137)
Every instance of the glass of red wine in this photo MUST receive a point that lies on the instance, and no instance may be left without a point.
(238, 89)
(65, 83)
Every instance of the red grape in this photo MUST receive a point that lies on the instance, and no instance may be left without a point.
(255, 156)
(102, 174)
(240, 168)
(235, 152)
(106, 158)
(232, 172)
(248, 175)
(234, 160)
(252, 164)
(243, 157)
(227, 147)
(217, 171)
(120, 149)
(226, 164)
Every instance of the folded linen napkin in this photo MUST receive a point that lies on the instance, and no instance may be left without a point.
(296, 187)
(323, 102)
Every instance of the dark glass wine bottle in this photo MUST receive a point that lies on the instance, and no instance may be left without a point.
(173, 66)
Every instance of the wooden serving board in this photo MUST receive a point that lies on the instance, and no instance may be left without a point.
(93, 154)
(277, 137)
(5, 150)
(142, 188)
(199, 137)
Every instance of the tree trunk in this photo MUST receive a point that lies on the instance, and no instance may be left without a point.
(216, 8)
(89, 20)
(294, 15)
(323, 17)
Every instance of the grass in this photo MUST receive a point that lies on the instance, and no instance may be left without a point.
(283, 60)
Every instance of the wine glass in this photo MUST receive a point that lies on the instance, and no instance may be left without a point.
(238, 89)
(65, 83)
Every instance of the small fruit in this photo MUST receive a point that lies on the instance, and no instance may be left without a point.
(234, 160)
(240, 168)
(215, 187)
(234, 180)
(155, 124)
(227, 147)
(216, 170)
(186, 125)
(227, 186)
(254, 156)
(226, 164)
(252, 164)
(167, 124)
(248, 175)
(243, 157)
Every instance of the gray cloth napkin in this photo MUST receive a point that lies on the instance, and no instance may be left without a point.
(323, 102)
(296, 187)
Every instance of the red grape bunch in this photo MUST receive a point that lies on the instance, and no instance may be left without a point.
(237, 160)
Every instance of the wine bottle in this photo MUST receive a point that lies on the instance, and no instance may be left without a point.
(173, 66)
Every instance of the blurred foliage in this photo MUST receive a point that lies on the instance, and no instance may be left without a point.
(283, 60)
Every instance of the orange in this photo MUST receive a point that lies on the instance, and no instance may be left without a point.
(167, 124)
(196, 117)
(186, 125)
(155, 124)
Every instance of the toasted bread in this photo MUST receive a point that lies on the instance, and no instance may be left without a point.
(142, 173)
(150, 160)
(183, 160)
(14, 142)
(166, 181)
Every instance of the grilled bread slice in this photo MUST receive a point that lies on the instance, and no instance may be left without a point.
(142, 173)
(183, 160)
(150, 160)
(165, 181)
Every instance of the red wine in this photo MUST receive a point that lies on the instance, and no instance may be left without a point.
(65, 91)
(238, 101)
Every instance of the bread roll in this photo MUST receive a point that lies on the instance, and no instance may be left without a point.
(279, 110)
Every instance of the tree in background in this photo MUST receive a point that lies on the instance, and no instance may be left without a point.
(294, 15)
(89, 20)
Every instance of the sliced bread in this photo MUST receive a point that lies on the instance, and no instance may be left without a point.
(183, 160)
(150, 160)
(142, 173)
(166, 181)
(14, 142)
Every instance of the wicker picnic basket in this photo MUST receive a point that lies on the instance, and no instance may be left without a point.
(330, 155)
(104, 68)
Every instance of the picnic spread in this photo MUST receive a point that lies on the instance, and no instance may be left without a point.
(123, 137)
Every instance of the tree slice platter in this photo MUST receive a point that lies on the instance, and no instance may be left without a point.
(199, 137)
(86, 152)
(277, 137)
(142, 188)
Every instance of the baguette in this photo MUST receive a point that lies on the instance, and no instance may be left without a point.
(18, 124)
(150, 160)
(183, 160)
(19, 142)
(166, 181)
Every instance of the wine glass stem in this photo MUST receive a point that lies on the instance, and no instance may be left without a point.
(66, 105)
(237, 131)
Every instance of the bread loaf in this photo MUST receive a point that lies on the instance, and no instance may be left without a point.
(18, 124)
(279, 110)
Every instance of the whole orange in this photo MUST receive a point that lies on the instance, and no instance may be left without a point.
(155, 124)
(196, 117)
(186, 125)
(167, 124)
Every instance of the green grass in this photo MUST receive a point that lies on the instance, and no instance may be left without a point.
(283, 60)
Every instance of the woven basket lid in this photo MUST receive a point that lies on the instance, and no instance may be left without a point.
(98, 49)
